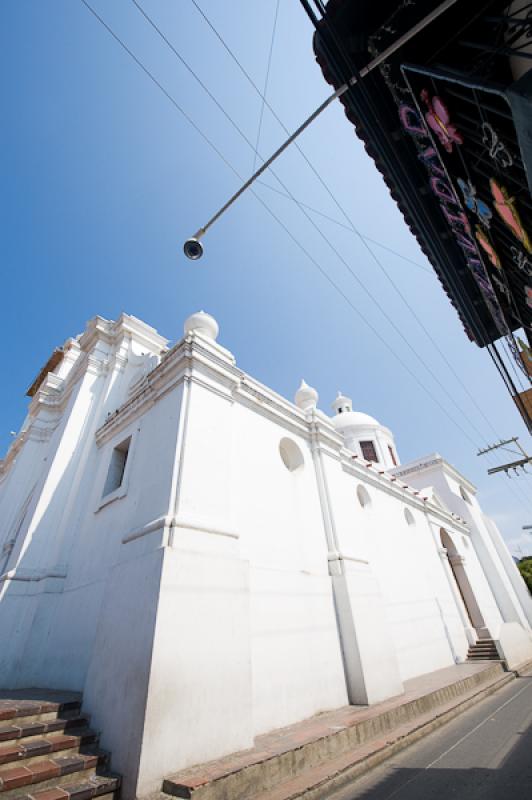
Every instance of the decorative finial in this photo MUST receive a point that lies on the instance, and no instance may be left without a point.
(342, 404)
(202, 323)
(306, 397)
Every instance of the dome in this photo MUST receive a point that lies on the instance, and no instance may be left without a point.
(352, 419)
(364, 435)
(202, 323)
(345, 417)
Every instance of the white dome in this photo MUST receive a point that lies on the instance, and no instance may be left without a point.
(203, 323)
(352, 419)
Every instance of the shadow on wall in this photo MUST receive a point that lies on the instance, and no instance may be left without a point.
(31, 614)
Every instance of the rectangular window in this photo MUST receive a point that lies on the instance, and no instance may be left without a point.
(368, 451)
(392, 455)
(117, 467)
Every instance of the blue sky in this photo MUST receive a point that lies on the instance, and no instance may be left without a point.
(103, 180)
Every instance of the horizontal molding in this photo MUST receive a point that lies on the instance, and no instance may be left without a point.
(172, 522)
(30, 575)
(342, 557)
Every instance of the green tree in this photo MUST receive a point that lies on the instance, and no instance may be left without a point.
(525, 568)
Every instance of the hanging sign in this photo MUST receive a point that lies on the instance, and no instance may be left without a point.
(450, 205)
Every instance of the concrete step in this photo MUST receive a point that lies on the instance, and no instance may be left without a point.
(306, 756)
(483, 650)
(34, 748)
(22, 729)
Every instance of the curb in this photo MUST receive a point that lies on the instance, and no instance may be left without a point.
(401, 743)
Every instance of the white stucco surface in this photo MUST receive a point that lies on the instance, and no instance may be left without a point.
(242, 566)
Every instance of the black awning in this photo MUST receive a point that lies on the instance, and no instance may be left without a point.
(450, 130)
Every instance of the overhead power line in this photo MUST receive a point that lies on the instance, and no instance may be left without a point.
(266, 84)
(350, 226)
(311, 258)
(349, 221)
(350, 229)
(335, 250)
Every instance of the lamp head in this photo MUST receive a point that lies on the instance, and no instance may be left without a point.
(193, 249)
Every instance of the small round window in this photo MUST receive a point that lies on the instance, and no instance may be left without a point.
(291, 454)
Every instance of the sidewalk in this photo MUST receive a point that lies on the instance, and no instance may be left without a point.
(327, 750)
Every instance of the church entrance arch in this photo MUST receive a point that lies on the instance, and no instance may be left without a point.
(456, 563)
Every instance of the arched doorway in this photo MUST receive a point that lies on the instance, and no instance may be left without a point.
(456, 563)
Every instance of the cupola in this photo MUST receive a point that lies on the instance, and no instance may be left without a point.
(363, 434)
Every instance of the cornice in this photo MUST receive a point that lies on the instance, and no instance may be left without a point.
(436, 460)
(265, 401)
(176, 366)
(380, 479)
(203, 362)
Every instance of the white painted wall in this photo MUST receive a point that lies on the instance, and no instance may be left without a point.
(233, 583)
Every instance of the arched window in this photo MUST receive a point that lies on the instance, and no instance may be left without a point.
(363, 497)
(368, 450)
(291, 454)
(409, 517)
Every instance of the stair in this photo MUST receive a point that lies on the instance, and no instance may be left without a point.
(483, 650)
(48, 751)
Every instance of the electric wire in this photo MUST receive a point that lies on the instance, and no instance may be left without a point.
(311, 258)
(353, 274)
(349, 228)
(351, 224)
(266, 79)
(274, 113)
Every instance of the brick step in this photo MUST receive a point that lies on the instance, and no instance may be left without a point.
(55, 771)
(102, 786)
(33, 748)
(283, 762)
(25, 730)
(14, 710)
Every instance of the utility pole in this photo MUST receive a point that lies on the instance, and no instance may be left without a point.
(515, 465)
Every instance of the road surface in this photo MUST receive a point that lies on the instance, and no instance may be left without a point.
(484, 754)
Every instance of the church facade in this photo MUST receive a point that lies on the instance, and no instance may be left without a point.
(207, 561)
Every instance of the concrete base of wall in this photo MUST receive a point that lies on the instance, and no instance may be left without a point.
(514, 644)
(320, 753)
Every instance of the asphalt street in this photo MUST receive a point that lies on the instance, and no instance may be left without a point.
(484, 754)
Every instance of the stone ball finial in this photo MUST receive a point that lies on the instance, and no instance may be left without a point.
(306, 397)
(201, 322)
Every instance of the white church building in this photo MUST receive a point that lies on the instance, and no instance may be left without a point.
(207, 561)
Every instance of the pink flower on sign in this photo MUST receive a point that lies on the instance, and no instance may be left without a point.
(507, 210)
(439, 120)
